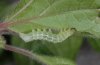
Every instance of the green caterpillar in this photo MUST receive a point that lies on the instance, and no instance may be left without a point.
(47, 35)
(56, 14)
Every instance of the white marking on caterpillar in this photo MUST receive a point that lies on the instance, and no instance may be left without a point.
(48, 36)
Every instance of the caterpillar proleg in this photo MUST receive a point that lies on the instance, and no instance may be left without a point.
(48, 36)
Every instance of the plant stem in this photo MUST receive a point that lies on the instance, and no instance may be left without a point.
(25, 53)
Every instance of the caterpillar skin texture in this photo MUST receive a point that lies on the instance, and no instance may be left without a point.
(48, 36)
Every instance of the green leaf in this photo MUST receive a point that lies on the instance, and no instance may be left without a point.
(50, 7)
(49, 60)
(59, 15)
(65, 50)
(95, 43)
(2, 42)
(5, 8)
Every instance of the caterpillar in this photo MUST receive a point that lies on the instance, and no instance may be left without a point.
(49, 35)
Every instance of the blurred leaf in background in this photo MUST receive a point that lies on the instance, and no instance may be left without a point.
(95, 43)
(49, 52)
(5, 7)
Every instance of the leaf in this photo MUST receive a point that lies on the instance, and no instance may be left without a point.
(2, 42)
(95, 43)
(2, 9)
(5, 8)
(35, 8)
(49, 60)
(55, 14)
(65, 50)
